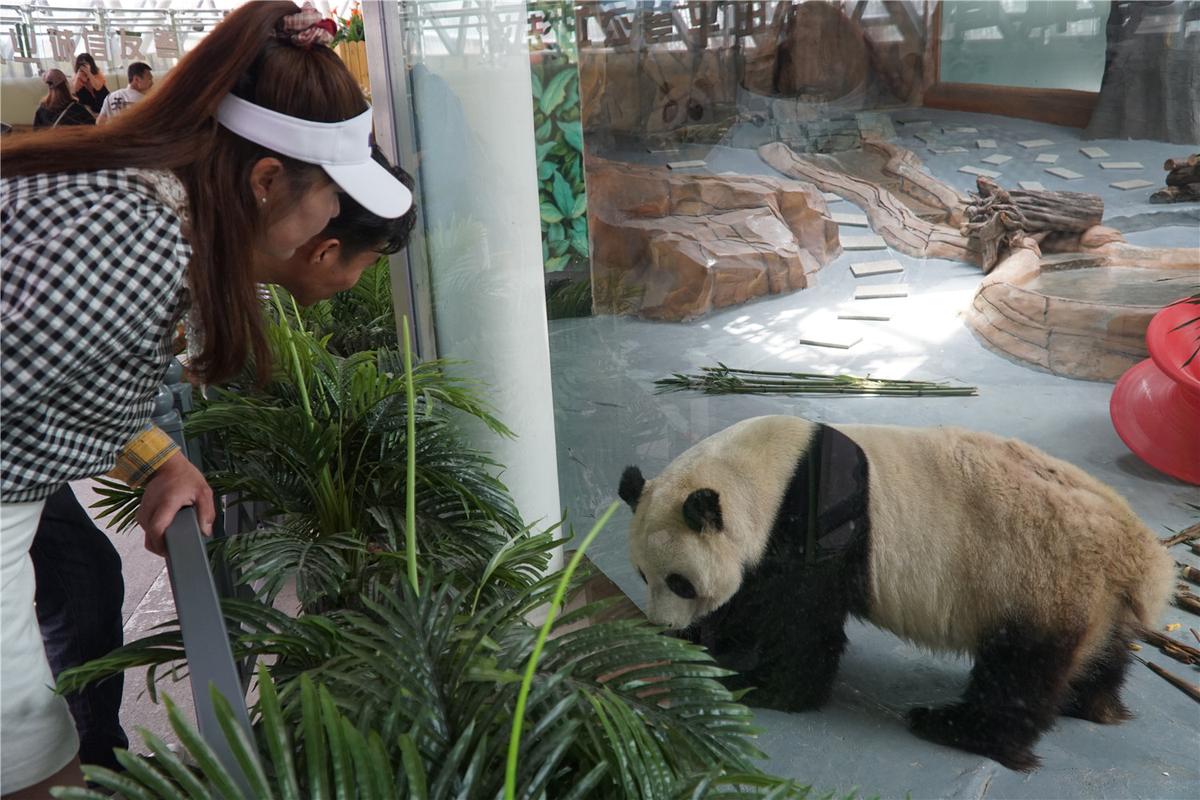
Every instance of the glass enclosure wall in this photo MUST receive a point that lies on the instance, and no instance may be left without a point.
(1035, 43)
(714, 211)
(462, 70)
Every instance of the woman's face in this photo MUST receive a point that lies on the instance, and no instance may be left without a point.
(291, 221)
(320, 270)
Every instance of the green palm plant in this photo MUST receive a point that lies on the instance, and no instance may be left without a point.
(409, 693)
(322, 447)
(415, 695)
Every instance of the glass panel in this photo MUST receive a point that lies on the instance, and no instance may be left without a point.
(469, 83)
(1057, 45)
(785, 190)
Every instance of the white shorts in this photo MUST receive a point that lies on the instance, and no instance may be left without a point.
(37, 734)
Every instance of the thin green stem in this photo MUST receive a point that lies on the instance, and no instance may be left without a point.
(514, 741)
(410, 498)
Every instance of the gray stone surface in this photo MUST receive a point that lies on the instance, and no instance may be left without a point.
(608, 417)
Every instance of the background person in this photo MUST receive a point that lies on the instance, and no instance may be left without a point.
(176, 201)
(140, 80)
(58, 107)
(88, 83)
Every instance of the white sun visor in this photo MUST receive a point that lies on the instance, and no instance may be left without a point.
(342, 149)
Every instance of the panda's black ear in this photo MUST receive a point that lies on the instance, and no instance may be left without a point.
(703, 507)
(631, 486)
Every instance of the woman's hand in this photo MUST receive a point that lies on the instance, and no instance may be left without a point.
(176, 484)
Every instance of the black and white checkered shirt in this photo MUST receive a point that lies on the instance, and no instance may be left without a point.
(93, 268)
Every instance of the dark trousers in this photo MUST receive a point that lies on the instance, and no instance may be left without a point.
(79, 595)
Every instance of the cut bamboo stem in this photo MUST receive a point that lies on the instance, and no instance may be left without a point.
(1188, 572)
(1190, 690)
(1172, 647)
(726, 380)
(1188, 602)
(1188, 534)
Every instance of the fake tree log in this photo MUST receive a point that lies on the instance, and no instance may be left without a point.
(999, 218)
(1183, 181)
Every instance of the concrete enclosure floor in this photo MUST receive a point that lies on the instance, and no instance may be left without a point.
(608, 416)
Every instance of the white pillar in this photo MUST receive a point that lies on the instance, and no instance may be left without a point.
(478, 186)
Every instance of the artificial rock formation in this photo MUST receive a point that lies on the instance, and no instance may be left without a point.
(814, 51)
(676, 246)
(1073, 337)
(889, 215)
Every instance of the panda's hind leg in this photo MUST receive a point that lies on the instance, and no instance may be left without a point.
(1016, 689)
(1095, 694)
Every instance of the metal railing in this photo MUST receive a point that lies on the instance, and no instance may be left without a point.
(197, 600)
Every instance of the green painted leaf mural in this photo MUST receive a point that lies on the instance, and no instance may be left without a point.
(556, 90)
(564, 198)
(550, 214)
(573, 133)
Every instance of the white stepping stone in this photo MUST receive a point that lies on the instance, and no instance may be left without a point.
(985, 144)
(1121, 165)
(987, 173)
(996, 159)
(941, 151)
(862, 269)
(927, 138)
(830, 197)
(1047, 158)
(961, 130)
(859, 220)
(1029, 144)
(843, 340)
(880, 290)
(872, 242)
(1032, 186)
(1125, 186)
(685, 164)
(1094, 152)
(866, 317)
(1064, 173)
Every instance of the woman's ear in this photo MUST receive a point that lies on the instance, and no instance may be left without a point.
(265, 175)
(325, 252)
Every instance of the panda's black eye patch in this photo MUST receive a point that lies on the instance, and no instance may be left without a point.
(642, 575)
(681, 586)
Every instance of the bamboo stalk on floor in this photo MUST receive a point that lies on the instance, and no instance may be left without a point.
(1188, 572)
(722, 379)
(1189, 689)
(1188, 534)
(1172, 647)
(1188, 601)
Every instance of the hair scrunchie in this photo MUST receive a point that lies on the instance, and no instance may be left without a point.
(307, 27)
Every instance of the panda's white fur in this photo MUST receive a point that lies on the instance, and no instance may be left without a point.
(967, 529)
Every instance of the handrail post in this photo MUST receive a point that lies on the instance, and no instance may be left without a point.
(201, 622)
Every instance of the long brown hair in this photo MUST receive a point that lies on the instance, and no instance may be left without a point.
(58, 96)
(174, 129)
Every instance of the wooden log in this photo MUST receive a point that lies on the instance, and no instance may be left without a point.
(998, 218)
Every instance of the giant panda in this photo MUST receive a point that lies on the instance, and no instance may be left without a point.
(760, 540)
